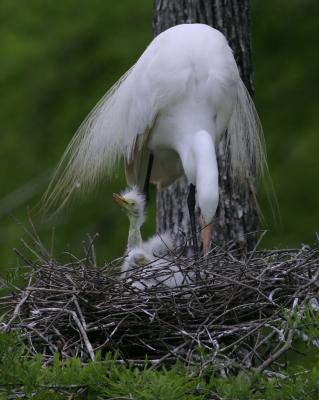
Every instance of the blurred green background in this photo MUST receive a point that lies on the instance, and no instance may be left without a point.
(58, 58)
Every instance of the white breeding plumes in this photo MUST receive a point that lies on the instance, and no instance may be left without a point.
(175, 103)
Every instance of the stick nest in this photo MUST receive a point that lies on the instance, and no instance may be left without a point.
(237, 315)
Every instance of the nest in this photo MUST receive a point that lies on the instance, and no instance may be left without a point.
(234, 315)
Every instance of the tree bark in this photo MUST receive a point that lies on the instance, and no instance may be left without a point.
(236, 217)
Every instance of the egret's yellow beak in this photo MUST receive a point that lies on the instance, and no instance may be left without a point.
(121, 201)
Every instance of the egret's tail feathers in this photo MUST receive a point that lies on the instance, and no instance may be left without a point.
(245, 139)
(108, 132)
(246, 144)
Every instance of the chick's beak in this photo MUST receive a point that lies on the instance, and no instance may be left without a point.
(121, 201)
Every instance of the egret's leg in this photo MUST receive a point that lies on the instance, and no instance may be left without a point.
(191, 202)
(147, 179)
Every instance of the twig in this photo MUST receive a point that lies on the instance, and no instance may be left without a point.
(17, 308)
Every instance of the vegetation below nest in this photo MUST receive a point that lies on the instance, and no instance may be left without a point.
(25, 377)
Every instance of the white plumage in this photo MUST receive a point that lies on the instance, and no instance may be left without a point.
(133, 203)
(151, 260)
(143, 273)
(154, 252)
(176, 102)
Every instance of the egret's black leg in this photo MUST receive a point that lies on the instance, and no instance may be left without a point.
(191, 202)
(147, 179)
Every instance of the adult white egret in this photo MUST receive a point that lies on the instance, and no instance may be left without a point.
(165, 117)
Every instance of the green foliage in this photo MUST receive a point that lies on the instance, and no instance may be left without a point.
(149, 385)
(301, 385)
(307, 323)
(105, 379)
(285, 69)
(304, 319)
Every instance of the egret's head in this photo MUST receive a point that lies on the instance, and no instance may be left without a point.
(133, 203)
(137, 258)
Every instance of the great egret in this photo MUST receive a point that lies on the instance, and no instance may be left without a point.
(133, 203)
(152, 257)
(165, 117)
(153, 271)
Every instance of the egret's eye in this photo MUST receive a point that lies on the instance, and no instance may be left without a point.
(133, 207)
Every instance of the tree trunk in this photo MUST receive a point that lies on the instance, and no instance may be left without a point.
(236, 218)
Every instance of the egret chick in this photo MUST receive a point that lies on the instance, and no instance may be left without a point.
(133, 203)
(154, 254)
(152, 272)
(136, 258)
(159, 245)
(139, 252)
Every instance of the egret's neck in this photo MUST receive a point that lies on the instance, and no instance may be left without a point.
(134, 235)
(205, 172)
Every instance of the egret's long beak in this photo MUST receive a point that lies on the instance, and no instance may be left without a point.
(121, 201)
(206, 235)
